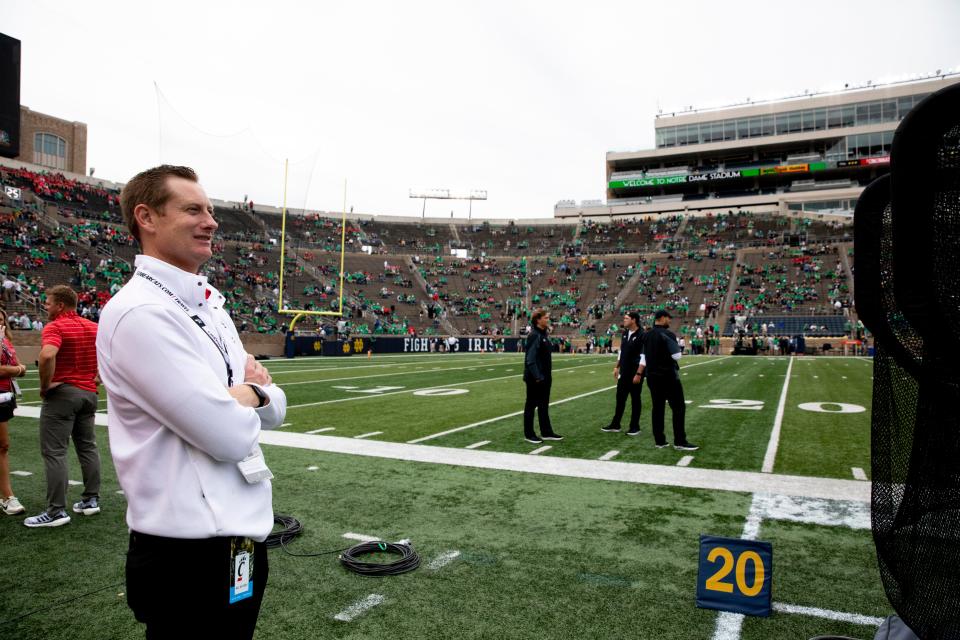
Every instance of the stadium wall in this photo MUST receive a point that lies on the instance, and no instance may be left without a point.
(73, 133)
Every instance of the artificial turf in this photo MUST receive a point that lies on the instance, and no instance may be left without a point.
(539, 556)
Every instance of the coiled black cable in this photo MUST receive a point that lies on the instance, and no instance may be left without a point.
(409, 559)
(291, 529)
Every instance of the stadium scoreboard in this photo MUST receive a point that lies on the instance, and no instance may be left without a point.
(9, 96)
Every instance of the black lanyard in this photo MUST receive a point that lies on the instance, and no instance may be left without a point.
(217, 341)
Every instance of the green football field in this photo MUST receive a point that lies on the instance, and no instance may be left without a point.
(594, 536)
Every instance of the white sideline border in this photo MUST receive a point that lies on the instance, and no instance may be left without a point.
(655, 474)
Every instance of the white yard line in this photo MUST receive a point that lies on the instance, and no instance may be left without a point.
(436, 386)
(826, 513)
(685, 461)
(517, 413)
(368, 435)
(858, 473)
(359, 536)
(769, 506)
(443, 560)
(392, 374)
(540, 450)
(322, 430)
(503, 417)
(21, 473)
(100, 419)
(655, 474)
(853, 618)
(609, 455)
(774, 443)
(477, 445)
(729, 624)
(359, 608)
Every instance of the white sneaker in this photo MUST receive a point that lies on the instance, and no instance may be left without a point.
(46, 520)
(11, 506)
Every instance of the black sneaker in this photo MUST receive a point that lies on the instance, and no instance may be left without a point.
(662, 446)
(686, 446)
(553, 436)
(611, 429)
(533, 439)
(633, 432)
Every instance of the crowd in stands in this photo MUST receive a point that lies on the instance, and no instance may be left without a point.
(788, 280)
(73, 235)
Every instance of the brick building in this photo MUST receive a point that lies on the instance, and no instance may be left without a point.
(52, 142)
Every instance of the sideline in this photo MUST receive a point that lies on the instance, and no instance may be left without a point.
(694, 478)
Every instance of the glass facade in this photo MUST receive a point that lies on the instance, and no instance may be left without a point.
(861, 145)
(821, 119)
(823, 206)
(50, 151)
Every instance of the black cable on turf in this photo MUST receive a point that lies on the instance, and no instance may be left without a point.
(291, 529)
(409, 559)
(61, 603)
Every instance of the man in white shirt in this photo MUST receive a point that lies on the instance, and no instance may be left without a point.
(187, 404)
(10, 286)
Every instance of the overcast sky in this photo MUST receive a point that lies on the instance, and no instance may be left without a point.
(521, 99)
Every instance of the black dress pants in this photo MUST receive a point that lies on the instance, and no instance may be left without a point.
(625, 389)
(180, 588)
(538, 399)
(670, 391)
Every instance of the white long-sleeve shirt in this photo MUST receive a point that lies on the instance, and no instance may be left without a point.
(176, 434)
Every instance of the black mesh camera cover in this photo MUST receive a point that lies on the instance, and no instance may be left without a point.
(907, 229)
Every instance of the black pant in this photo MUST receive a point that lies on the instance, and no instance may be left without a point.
(663, 391)
(625, 388)
(180, 588)
(538, 398)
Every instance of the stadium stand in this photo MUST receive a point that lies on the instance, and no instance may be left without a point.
(401, 279)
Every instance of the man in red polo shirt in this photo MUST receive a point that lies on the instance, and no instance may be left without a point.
(68, 386)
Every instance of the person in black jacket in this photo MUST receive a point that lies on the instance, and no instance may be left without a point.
(537, 376)
(661, 354)
(628, 376)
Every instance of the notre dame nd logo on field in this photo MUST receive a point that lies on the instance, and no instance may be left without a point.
(357, 346)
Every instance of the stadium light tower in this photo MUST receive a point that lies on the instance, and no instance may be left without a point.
(446, 194)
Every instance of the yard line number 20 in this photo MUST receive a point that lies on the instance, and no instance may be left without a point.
(716, 583)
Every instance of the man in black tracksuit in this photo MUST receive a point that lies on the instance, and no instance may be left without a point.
(628, 376)
(661, 353)
(537, 376)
